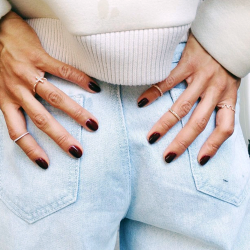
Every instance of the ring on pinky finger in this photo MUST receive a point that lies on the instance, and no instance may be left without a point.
(33, 151)
(21, 136)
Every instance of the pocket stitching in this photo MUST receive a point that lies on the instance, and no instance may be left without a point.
(208, 189)
(65, 200)
(214, 191)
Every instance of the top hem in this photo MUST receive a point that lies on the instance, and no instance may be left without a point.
(135, 57)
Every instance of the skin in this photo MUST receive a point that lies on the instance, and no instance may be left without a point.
(21, 60)
(208, 80)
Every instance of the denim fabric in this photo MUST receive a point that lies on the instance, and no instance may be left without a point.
(78, 204)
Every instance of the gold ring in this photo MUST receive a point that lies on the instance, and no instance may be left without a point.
(228, 106)
(161, 93)
(38, 80)
(176, 115)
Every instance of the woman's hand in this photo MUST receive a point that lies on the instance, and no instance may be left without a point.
(206, 79)
(22, 59)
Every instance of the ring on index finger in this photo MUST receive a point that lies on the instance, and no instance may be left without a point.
(38, 80)
(159, 89)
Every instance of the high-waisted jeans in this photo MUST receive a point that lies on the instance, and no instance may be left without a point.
(78, 204)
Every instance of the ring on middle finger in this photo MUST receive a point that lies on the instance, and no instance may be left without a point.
(228, 106)
(38, 80)
(175, 114)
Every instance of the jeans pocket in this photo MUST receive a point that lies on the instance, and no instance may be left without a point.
(226, 176)
(29, 191)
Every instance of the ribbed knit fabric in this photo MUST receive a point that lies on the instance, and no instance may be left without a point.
(135, 57)
(221, 27)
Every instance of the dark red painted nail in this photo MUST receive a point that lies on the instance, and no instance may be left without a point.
(41, 163)
(93, 86)
(91, 124)
(154, 137)
(75, 151)
(204, 160)
(143, 102)
(170, 157)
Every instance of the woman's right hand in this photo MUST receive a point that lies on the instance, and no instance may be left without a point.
(22, 59)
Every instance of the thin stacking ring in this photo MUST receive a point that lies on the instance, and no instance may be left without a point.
(161, 93)
(176, 115)
(21, 136)
(228, 106)
(38, 80)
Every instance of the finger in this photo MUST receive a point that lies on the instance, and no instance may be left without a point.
(60, 100)
(179, 109)
(16, 125)
(225, 118)
(196, 124)
(49, 125)
(178, 74)
(69, 73)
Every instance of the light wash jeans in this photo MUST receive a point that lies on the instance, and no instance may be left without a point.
(78, 204)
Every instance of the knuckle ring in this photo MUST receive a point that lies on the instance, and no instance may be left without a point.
(156, 86)
(38, 80)
(228, 106)
(21, 136)
(175, 114)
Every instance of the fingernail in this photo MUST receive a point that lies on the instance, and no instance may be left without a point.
(143, 102)
(170, 157)
(41, 163)
(154, 137)
(204, 160)
(75, 151)
(91, 124)
(93, 86)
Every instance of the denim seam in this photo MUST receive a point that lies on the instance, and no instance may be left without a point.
(207, 188)
(125, 137)
(33, 216)
(41, 211)
(60, 202)
(213, 191)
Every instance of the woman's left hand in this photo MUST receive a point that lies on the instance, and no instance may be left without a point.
(214, 85)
